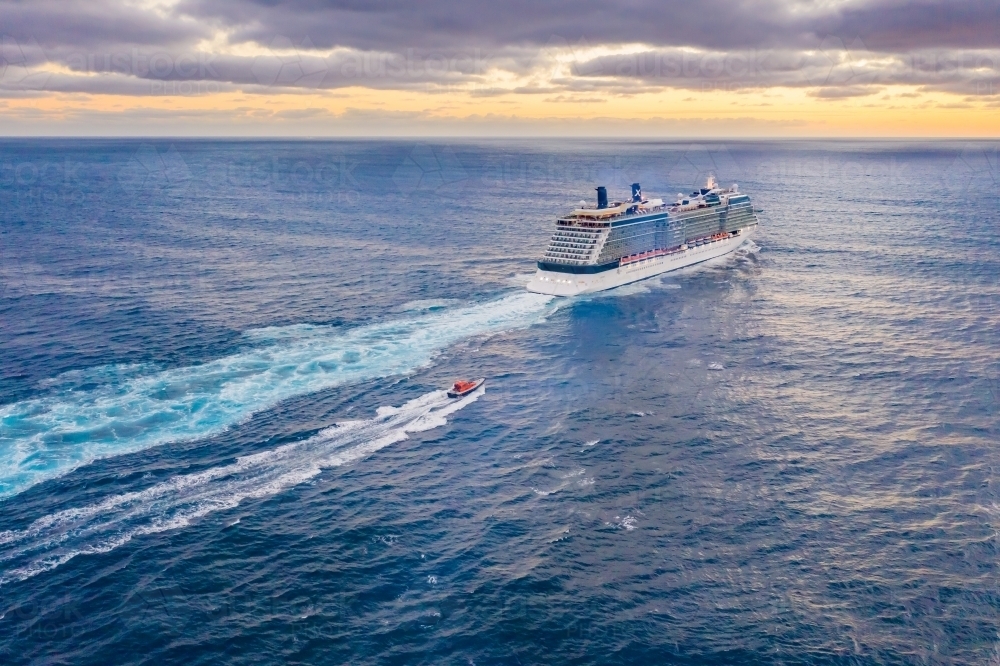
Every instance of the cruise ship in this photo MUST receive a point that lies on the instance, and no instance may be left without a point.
(611, 244)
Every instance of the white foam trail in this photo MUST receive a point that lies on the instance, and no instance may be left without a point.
(747, 249)
(105, 525)
(133, 407)
(427, 304)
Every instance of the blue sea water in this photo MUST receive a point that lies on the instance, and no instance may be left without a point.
(223, 437)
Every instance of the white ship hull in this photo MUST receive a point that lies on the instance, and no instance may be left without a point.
(570, 284)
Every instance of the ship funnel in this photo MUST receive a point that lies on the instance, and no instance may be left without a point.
(602, 197)
(636, 193)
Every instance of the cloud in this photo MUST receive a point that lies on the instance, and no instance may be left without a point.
(446, 24)
(571, 99)
(851, 68)
(901, 25)
(98, 25)
(844, 92)
(488, 48)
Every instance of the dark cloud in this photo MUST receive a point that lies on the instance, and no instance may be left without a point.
(96, 25)
(391, 25)
(852, 69)
(843, 92)
(713, 24)
(452, 24)
(159, 72)
(901, 25)
(117, 47)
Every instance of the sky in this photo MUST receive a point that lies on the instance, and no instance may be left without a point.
(629, 68)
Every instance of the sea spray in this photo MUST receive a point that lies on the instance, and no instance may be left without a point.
(113, 521)
(74, 424)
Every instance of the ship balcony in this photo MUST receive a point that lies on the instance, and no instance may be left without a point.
(562, 256)
(566, 234)
(567, 253)
(567, 262)
(582, 224)
(580, 246)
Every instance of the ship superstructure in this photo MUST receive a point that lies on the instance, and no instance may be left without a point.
(611, 244)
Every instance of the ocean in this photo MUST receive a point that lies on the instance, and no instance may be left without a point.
(224, 437)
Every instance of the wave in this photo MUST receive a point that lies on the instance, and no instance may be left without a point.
(136, 407)
(111, 522)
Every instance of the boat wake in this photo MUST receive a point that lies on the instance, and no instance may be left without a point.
(113, 410)
(113, 521)
(748, 250)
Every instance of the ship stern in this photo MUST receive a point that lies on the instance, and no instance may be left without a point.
(558, 284)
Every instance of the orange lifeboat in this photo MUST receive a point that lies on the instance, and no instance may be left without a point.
(464, 387)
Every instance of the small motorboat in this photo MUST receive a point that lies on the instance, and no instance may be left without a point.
(463, 387)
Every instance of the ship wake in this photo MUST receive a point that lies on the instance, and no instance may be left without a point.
(113, 521)
(114, 410)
